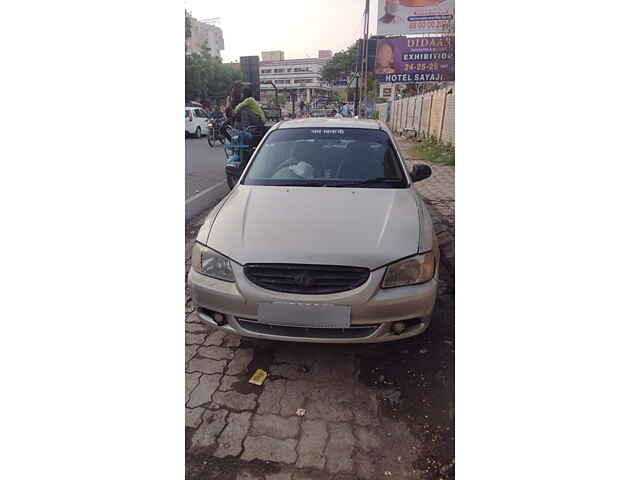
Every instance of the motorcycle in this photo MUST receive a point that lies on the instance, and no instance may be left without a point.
(239, 150)
(215, 132)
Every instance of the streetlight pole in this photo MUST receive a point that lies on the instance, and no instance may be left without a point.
(365, 53)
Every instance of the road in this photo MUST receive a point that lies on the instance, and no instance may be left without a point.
(205, 181)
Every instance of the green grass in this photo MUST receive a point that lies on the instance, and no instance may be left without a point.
(430, 150)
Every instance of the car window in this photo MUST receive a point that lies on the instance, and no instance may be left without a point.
(186, 113)
(326, 157)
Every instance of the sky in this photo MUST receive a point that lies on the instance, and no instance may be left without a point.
(299, 27)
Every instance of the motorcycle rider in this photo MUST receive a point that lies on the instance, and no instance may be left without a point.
(249, 111)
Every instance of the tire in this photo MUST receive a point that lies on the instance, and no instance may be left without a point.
(212, 141)
(231, 182)
(198, 132)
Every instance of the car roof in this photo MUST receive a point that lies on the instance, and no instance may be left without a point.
(332, 123)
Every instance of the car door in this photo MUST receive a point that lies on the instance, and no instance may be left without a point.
(203, 121)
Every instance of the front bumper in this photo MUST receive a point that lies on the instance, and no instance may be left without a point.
(373, 310)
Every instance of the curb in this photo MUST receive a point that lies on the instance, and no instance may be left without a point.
(204, 200)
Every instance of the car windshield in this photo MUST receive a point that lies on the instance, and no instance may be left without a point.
(328, 157)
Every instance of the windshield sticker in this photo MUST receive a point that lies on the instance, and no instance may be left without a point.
(328, 132)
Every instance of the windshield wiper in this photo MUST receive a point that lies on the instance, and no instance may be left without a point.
(371, 181)
(293, 183)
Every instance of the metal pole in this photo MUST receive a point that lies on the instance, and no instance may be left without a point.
(356, 101)
(420, 118)
(365, 53)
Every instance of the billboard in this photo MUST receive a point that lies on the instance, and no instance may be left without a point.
(407, 17)
(325, 54)
(414, 60)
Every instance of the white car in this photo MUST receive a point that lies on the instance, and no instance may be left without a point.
(323, 239)
(195, 121)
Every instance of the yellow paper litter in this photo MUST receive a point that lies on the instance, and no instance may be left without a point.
(258, 377)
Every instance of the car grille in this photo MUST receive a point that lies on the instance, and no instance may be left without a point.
(306, 279)
(355, 331)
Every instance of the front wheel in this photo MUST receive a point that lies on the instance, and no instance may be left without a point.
(198, 132)
(212, 140)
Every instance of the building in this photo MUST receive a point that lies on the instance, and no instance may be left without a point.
(274, 56)
(205, 33)
(299, 75)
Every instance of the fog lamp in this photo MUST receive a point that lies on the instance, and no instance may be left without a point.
(398, 327)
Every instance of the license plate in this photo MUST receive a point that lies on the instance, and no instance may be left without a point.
(310, 315)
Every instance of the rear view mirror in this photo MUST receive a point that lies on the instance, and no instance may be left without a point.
(420, 171)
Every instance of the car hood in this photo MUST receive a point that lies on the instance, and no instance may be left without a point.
(365, 227)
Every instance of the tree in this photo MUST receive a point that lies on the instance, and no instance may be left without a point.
(207, 78)
(343, 64)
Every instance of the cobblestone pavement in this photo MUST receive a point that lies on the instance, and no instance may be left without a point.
(372, 411)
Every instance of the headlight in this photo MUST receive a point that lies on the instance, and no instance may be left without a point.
(211, 263)
(411, 271)
(210, 125)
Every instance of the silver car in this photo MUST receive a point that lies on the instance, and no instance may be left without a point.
(323, 239)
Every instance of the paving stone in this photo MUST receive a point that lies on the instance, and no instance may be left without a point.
(227, 382)
(190, 383)
(216, 353)
(189, 352)
(331, 403)
(240, 362)
(193, 417)
(212, 425)
(294, 396)
(365, 466)
(206, 365)
(275, 426)
(247, 476)
(289, 371)
(313, 441)
(215, 337)
(230, 440)
(196, 328)
(296, 353)
(279, 476)
(367, 439)
(234, 400)
(201, 395)
(365, 407)
(269, 449)
(195, 338)
(269, 400)
(340, 448)
(338, 368)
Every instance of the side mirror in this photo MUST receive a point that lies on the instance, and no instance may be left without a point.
(420, 171)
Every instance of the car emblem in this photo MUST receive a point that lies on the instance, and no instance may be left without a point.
(304, 280)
